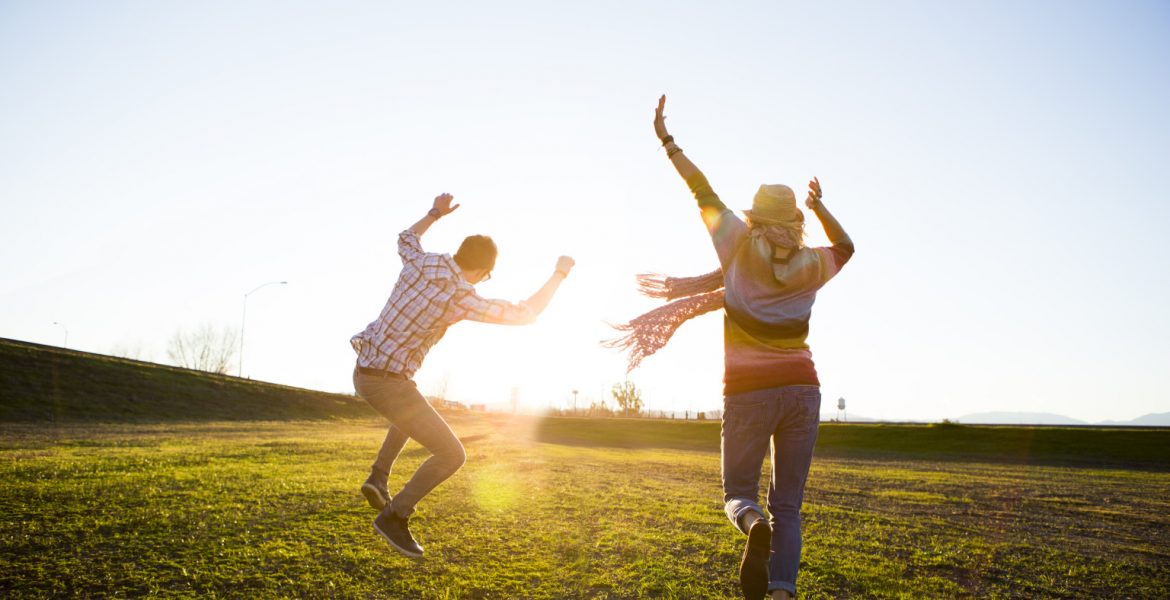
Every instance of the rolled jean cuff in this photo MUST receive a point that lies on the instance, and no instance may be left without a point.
(737, 506)
(398, 509)
(782, 585)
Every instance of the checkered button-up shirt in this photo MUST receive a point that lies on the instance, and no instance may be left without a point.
(430, 296)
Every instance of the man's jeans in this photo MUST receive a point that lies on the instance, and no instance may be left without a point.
(787, 417)
(411, 418)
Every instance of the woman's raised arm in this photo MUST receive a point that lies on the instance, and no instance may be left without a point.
(725, 228)
(682, 164)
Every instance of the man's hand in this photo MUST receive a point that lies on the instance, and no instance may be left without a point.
(814, 194)
(659, 119)
(443, 204)
(565, 264)
(441, 208)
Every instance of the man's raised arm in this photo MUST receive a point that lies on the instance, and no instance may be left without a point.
(409, 247)
(502, 312)
(539, 301)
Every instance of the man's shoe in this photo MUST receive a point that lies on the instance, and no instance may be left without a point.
(396, 531)
(375, 494)
(753, 569)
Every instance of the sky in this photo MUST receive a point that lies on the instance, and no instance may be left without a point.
(1000, 166)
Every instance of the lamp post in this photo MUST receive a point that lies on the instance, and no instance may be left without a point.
(244, 320)
(574, 402)
(62, 326)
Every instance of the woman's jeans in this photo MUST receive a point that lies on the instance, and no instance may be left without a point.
(787, 418)
(411, 418)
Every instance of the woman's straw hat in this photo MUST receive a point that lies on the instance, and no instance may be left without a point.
(774, 204)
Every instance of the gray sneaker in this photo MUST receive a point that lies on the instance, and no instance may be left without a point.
(376, 494)
(394, 529)
(753, 569)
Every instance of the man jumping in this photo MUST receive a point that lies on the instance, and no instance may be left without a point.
(433, 292)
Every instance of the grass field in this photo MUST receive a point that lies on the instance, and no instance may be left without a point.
(271, 509)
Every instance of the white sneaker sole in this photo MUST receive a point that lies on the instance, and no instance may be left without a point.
(400, 549)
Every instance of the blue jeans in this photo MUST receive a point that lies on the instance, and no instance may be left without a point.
(787, 418)
(411, 418)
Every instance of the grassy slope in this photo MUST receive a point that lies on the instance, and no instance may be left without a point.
(43, 383)
(1124, 447)
(271, 509)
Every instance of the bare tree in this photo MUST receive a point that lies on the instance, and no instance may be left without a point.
(600, 408)
(204, 348)
(628, 397)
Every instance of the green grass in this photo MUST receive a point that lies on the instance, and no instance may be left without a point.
(123, 478)
(271, 509)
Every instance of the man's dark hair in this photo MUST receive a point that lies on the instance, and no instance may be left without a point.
(476, 252)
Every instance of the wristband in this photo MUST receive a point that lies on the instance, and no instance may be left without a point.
(434, 212)
(564, 274)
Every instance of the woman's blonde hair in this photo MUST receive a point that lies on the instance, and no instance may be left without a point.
(789, 234)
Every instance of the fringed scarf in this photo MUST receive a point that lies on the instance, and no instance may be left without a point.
(692, 296)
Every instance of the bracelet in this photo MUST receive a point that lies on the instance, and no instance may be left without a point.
(670, 153)
(668, 139)
(564, 274)
(434, 213)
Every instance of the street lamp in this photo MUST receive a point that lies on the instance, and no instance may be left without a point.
(62, 326)
(244, 320)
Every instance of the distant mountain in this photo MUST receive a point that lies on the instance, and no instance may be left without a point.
(1018, 418)
(1150, 420)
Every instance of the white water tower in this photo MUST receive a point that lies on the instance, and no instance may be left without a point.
(840, 409)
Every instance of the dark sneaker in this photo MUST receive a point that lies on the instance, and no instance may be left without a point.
(396, 531)
(753, 569)
(376, 494)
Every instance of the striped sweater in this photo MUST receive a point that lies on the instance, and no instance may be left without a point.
(767, 304)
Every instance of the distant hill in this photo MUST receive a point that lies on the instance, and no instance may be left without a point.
(1150, 420)
(1036, 418)
(1017, 418)
(45, 383)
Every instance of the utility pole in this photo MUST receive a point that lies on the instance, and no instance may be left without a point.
(62, 326)
(244, 321)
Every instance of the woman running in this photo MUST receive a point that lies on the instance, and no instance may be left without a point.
(766, 284)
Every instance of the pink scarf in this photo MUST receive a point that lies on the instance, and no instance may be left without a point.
(693, 296)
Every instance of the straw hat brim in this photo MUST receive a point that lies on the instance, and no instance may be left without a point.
(768, 220)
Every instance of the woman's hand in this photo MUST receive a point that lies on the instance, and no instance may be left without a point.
(814, 193)
(659, 120)
(833, 229)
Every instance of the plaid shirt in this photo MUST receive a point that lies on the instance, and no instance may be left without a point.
(430, 296)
